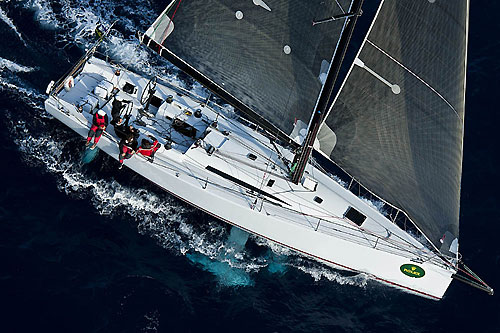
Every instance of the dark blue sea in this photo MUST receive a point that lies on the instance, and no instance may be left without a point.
(85, 248)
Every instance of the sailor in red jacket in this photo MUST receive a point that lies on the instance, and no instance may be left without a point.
(127, 149)
(149, 149)
(99, 124)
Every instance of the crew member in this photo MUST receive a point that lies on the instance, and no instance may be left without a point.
(116, 111)
(99, 124)
(149, 149)
(126, 149)
(123, 129)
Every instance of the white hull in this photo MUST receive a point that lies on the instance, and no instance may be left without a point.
(288, 215)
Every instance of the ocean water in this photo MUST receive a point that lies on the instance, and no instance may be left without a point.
(84, 248)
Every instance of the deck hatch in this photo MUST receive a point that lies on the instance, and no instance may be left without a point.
(129, 88)
(251, 156)
(156, 101)
(318, 199)
(355, 216)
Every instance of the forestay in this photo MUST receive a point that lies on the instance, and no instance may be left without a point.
(265, 53)
(399, 115)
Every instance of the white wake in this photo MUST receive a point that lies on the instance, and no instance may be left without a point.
(8, 21)
(160, 216)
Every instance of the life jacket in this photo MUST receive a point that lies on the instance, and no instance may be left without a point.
(100, 120)
(125, 149)
(149, 151)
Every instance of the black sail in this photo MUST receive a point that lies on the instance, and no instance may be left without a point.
(266, 54)
(399, 115)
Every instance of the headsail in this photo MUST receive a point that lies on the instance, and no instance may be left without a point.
(266, 54)
(399, 115)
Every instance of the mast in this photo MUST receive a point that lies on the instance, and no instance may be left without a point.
(301, 158)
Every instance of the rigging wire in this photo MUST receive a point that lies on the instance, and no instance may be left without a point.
(262, 185)
(388, 243)
(165, 164)
(363, 231)
(267, 166)
(329, 215)
(466, 270)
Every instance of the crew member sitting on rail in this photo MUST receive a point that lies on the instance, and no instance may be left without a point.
(126, 148)
(149, 149)
(99, 124)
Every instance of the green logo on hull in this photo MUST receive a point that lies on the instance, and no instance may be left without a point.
(412, 270)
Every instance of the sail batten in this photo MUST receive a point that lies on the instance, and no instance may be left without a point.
(398, 117)
(412, 73)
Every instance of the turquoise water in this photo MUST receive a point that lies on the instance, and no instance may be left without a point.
(89, 155)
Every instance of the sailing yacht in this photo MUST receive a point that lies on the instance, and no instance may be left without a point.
(297, 156)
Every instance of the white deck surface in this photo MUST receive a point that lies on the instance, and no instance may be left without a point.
(284, 212)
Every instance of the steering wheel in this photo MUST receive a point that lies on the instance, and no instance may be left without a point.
(148, 91)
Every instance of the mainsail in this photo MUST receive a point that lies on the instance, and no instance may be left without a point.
(399, 115)
(266, 54)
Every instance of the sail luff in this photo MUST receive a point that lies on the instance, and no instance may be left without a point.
(352, 65)
(329, 67)
(464, 88)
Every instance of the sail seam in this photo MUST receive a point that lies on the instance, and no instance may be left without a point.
(340, 6)
(415, 75)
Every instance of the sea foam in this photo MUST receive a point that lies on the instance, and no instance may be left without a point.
(210, 245)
